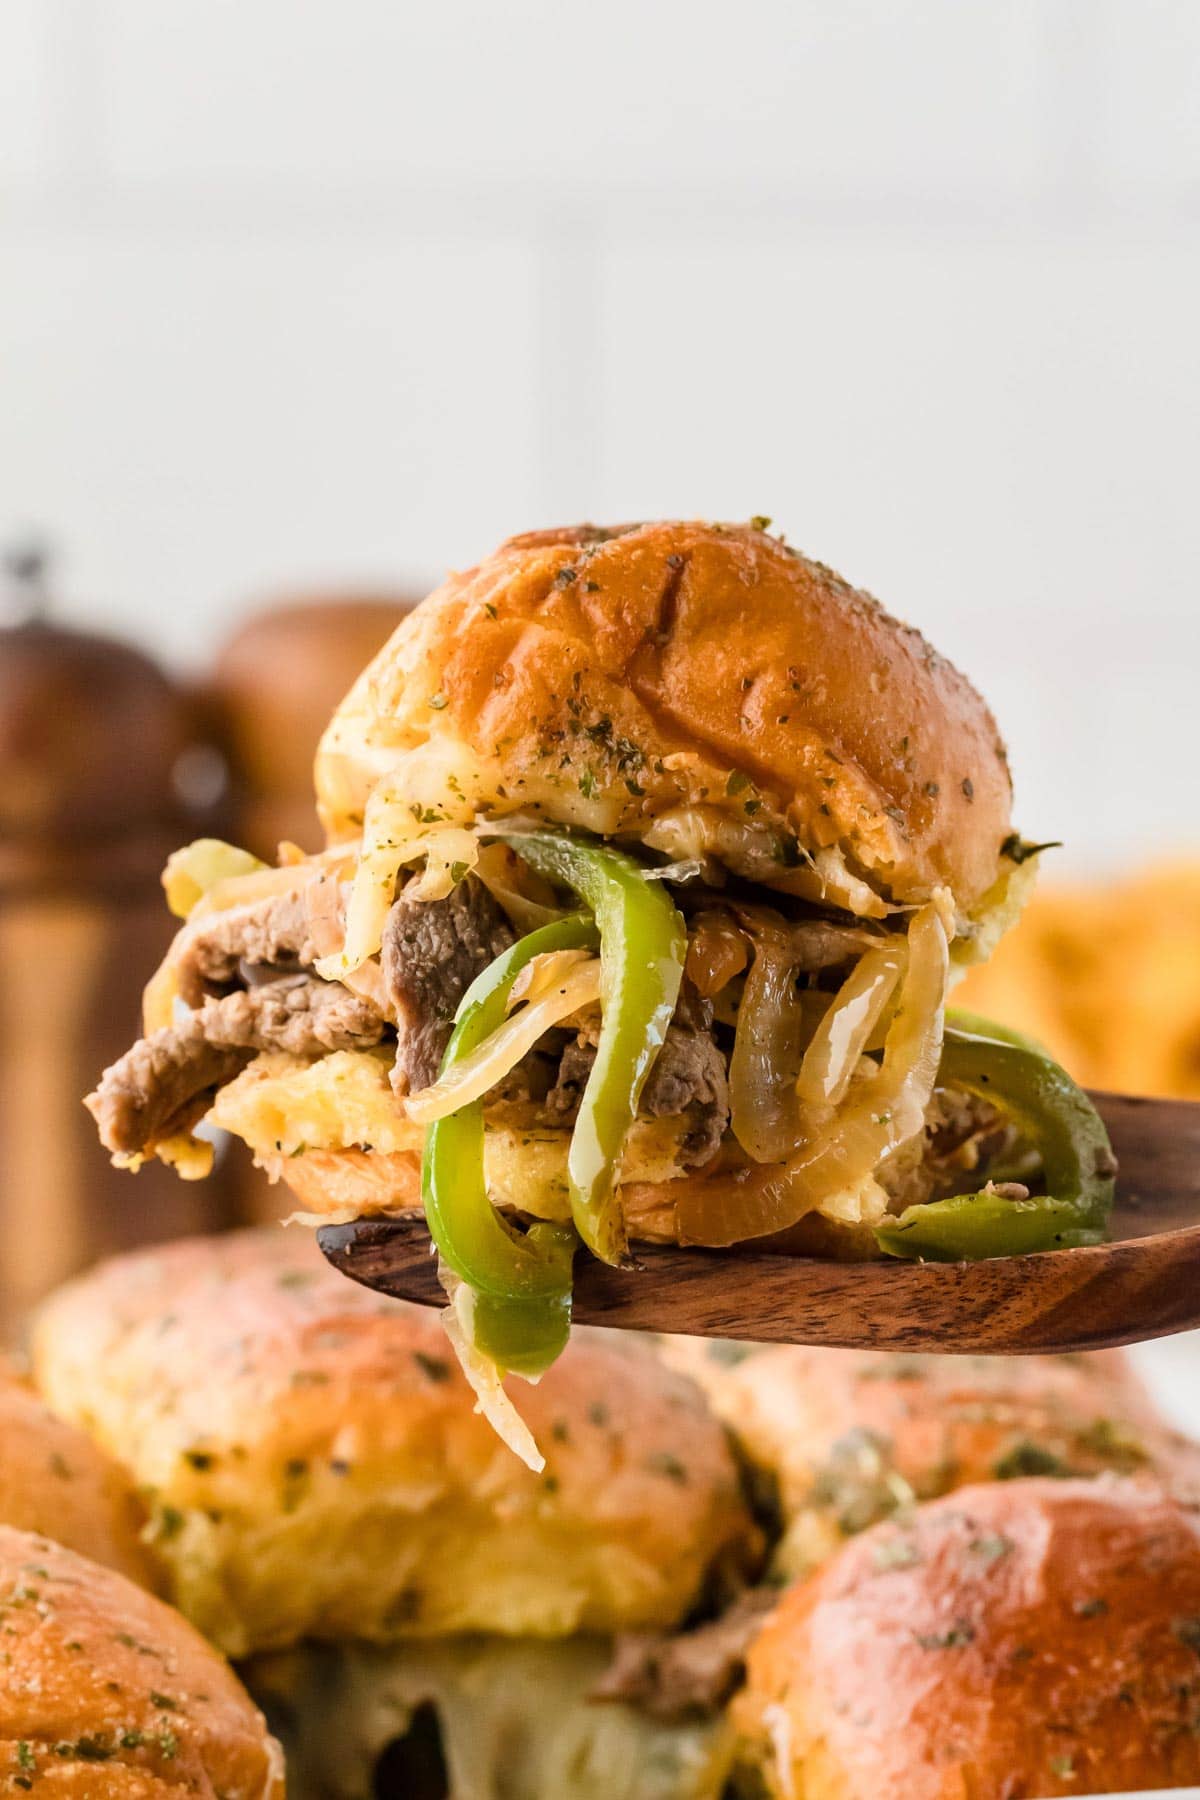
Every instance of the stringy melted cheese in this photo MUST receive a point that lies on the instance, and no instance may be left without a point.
(514, 1717)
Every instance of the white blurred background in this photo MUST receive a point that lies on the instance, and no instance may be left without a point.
(296, 293)
(300, 295)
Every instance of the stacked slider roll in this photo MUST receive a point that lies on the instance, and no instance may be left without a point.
(104, 1690)
(975, 1576)
(652, 852)
(408, 1601)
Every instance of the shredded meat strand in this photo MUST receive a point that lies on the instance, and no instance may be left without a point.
(272, 933)
(432, 952)
(688, 1080)
(164, 1083)
(689, 1674)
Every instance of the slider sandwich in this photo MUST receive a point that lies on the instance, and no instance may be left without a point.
(652, 855)
(55, 1481)
(1032, 1637)
(849, 1437)
(420, 1615)
(104, 1691)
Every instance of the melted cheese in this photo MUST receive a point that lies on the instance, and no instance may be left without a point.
(514, 1717)
(282, 1105)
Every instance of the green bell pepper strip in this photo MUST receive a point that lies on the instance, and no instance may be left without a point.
(643, 943)
(522, 1281)
(1057, 1119)
(975, 1025)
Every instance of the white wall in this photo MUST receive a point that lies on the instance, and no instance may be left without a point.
(294, 292)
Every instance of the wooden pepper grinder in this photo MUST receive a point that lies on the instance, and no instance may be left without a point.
(275, 686)
(101, 777)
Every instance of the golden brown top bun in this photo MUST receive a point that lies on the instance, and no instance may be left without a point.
(316, 1466)
(106, 1691)
(607, 678)
(851, 1436)
(56, 1481)
(1024, 1638)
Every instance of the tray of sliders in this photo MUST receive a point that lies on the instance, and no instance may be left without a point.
(652, 856)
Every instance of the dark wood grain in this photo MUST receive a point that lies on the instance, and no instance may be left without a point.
(1145, 1284)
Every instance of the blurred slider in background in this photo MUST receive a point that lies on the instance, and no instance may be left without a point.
(104, 767)
(1106, 975)
(985, 1577)
(418, 1613)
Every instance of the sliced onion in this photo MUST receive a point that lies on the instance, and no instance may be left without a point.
(842, 1150)
(542, 974)
(422, 809)
(691, 869)
(449, 855)
(717, 951)
(479, 1072)
(526, 899)
(484, 1377)
(767, 1053)
(842, 1036)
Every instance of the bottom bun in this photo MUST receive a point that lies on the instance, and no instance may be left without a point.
(339, 1185)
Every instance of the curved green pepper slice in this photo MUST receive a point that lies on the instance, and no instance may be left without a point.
(643, 943)
(522, 1281)
(1056, 1118)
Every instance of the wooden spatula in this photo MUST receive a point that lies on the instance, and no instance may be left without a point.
(1144, 1284)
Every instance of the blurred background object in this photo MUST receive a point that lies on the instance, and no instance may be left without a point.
(99, 756)
(1107, 976)
(920, 281)
(276, 683)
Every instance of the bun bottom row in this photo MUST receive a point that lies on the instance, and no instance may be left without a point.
(787, 1573)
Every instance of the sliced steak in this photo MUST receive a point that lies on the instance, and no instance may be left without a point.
(688, 1080)
(964, 1135)
(688, 1674)
(161, 1087)
(300, 1014)
(432, 952)
(165, 1083)
(272, 933)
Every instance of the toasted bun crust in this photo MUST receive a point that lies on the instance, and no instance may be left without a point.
(56, 1481)
(680, 665)
(317, 1468)
(851, 1436)
(359, 1184)
(106, 1691)
(1028, 1637)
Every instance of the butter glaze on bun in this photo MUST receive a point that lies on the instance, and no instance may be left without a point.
(1023, 1638)
(104, 1691)
(852, 1436)
(606, 678)
(54, 1480)
(316, 1467)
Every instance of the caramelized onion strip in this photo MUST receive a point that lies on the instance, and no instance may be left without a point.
(844, 1032)
(841, 1150)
